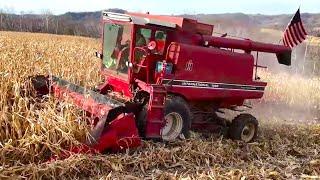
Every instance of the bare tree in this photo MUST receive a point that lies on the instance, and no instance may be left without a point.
(10, 21)
(1, 19)
(47, 16)
(20, 20)
(57, 25)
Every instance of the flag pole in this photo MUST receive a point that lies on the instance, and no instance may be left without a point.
(287, 26)
(305, 56)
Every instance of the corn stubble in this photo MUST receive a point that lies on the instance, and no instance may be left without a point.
(32, 130)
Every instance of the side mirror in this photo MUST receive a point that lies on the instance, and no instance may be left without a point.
(99, 55)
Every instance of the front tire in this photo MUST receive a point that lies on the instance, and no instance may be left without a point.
(244, 127)
(178, 119)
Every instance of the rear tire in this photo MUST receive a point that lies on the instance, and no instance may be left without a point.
(178, 119)
(244, 127)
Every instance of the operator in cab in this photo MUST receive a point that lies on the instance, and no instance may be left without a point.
(119, 59)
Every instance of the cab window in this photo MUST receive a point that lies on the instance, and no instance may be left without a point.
(160, 38)
(116, 47)
(143, 37)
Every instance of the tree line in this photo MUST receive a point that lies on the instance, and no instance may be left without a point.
(46, 22)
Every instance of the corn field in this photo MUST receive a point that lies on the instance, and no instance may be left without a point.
(32, 131)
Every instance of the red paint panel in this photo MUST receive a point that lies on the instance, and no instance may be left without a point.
(199, 94)
(214, 65)
(121, 133)
(118, 83)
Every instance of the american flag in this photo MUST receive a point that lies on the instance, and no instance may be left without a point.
(295, 32)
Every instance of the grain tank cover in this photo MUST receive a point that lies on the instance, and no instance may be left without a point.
(185, 24)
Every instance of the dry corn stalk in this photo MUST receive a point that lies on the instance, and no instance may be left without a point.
(31, 131)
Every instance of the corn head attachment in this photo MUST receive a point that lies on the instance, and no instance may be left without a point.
(114, 122)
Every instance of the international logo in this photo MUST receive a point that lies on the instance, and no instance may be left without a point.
(189, 65)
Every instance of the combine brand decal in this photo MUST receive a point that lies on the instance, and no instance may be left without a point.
(210, 85)
(189, 65)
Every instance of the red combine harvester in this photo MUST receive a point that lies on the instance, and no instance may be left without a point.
(165, 76)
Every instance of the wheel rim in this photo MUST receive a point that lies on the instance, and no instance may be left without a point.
(248, 132)
(173, 126)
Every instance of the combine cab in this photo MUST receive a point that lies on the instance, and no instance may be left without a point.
(165, 76)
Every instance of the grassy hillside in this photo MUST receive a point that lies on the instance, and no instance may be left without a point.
(87, 23)
(232, 21)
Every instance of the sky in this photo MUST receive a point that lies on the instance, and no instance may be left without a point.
(164, 6)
